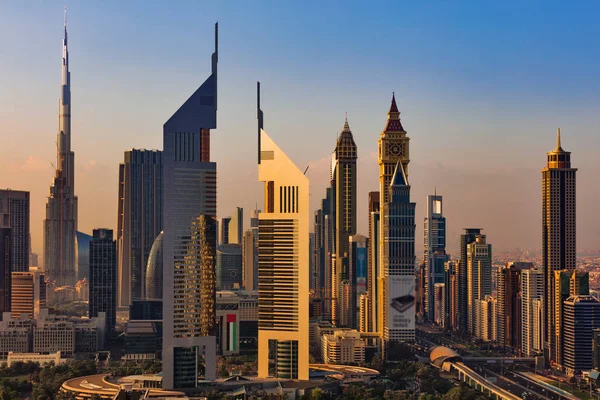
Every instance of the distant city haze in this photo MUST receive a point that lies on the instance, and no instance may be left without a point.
(481, 93)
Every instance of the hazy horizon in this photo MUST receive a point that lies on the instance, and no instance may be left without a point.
(481, 94)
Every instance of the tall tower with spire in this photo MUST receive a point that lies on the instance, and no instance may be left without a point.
(344, 176)
(558, 238)
(60, 225)
(397, 252)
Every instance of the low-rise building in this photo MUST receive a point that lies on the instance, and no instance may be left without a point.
(344, 346)
(141, 341)
(38, 358)
(16, 335)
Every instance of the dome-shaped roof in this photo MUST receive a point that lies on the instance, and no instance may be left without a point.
(154, 270)
(440, 354)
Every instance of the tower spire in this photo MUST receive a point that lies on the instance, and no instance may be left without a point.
(558, 144)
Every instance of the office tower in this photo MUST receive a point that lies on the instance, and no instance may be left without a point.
(566, 283)
(479, 273)
(139, 219)
(374, 267)
(322, 251)
(451, 294)
(14, 214)
(236, 226)
(532, 295)
(229, 266)
(82, 255)
(224, 226)
(440, 304)
(435, 251)
(398, 259)
(558, 234)
(28, 294)
(250, 259)
(358, 266)
(420, 290)
(5, 269)
(510, 310)
(462, 306)
(189, 239)
(60, 224)
(103, 277)
(581, 317)
(154, 270)
(344, 176)
(283, 261)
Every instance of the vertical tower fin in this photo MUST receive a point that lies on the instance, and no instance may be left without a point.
(259, 116)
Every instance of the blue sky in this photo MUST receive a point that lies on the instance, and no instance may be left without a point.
(482, 87)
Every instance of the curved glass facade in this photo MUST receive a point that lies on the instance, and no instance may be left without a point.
(154, 270)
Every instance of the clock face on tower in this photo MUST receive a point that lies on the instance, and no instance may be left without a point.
(395, 150)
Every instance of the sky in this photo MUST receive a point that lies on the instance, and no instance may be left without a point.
(482, 88)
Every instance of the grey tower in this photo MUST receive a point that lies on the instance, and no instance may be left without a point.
(139, 219)
(189, 239)
(103, 277)
(14, 214)
(435, 250)
(60, 225)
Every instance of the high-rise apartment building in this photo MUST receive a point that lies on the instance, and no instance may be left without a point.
(229, 266)
(439, 294)
(236, 227)
(283, 262)
(485, 317)
(510, 305)
(358, 271)
(479, 273)
(581, 316)
(5, 269)
(28, 294)
(189, 239)
(344, 178)
(435, 251)
(462, 301)
(60, 225)
(558, 235)
(139, 219)
(566, 283)
(451, 294)
(374, 266)
(398, 257)
(14, 214)
(103, 277)
(532, 296)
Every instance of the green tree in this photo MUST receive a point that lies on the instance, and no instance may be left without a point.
(223, 371)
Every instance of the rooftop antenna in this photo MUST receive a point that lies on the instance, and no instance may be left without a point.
(306, 169)
(259, 116)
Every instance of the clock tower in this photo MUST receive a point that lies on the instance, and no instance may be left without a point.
(393, 148)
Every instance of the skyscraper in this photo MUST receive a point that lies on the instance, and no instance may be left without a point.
(435, 251)
(189, 239)
(581, 317)
(229, 266)
(396, 313)
(374, 266)
(14, 214)
(479, 273)
(139, 219)
(236, 226)
(283, 262)
(60, 224)
(224, 225)
(344, 176)
(250, 259)
(103, 277)
(558, 234)
(28, 294)
(82, 254)
(398, 257)
(462, 303)
(5, 269)
(510, 305)
(358, 272)
(532, 294)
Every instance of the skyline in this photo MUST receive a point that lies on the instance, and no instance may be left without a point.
(497, 162)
